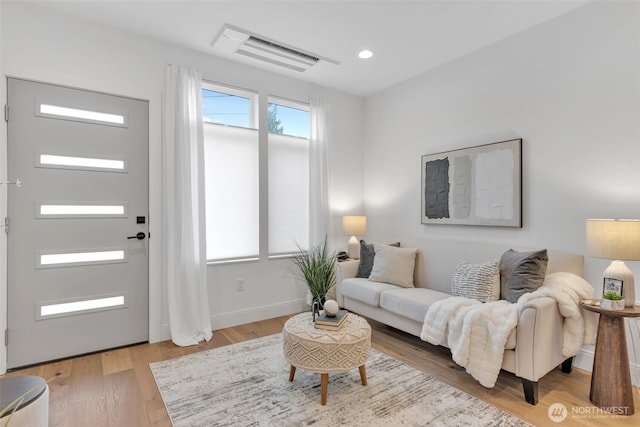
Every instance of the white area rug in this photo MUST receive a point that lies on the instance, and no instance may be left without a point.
(247, 384)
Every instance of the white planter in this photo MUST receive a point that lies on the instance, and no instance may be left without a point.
(609, 304)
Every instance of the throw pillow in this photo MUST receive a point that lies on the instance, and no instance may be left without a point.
(521, 272)
(477, 281)
(367, 254)
(393, 265)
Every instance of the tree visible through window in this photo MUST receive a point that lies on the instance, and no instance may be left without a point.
(289, 118)
(275, 125)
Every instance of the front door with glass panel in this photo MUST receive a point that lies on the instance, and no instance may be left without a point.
(78, 224)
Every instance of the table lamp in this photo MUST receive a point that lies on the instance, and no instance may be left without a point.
(618, 240)
(354, 225)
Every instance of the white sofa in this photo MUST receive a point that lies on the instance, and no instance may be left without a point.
(534, 347)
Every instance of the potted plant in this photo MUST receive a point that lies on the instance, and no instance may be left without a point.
(317, 267)
(11, 385)
(612, 301)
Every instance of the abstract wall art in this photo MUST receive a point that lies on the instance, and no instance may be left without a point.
(474, 186)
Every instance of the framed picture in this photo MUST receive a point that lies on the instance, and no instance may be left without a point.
(474, 186)
(612, 285)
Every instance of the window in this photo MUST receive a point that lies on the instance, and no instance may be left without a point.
(76, 114)
(288, 176)
(69, 308)
(44, 160)
(288, 118)
(232, 174)
(231, 107)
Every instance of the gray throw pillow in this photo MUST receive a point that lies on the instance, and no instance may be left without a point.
(477, 281)
(521, 273)
(367, 255)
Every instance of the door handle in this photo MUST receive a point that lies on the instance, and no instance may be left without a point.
(139, 236)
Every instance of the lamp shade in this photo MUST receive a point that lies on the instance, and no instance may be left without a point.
(354, 225)
(617, 239)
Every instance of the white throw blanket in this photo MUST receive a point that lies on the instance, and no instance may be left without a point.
(440, 315)
(579, 325)
(477, 333)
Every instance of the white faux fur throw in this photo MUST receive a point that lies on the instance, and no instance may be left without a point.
(579, 325)
(440, 315)
(476, 333)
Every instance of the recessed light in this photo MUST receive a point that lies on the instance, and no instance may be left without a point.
(365, 54)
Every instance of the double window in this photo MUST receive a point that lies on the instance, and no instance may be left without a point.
(239, 197)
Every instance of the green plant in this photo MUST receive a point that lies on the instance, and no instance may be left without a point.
(612, 296)
(317, 267)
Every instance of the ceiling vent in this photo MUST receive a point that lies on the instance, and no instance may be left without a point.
(238, 41)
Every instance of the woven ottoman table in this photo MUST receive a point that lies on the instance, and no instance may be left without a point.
(326, 352)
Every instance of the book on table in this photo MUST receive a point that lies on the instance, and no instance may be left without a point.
(328, 327)
(334, 321)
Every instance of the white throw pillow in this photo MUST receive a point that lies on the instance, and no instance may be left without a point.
(393, 265)
(477, 281)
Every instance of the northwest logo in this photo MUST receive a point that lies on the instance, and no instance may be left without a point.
(557, 412)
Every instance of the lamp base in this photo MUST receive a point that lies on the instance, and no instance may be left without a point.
(619, 271)
(353, 248)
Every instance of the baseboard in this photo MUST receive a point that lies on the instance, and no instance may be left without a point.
(584, 361)
(255, 314)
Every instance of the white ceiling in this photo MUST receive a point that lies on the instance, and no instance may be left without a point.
(407, 37)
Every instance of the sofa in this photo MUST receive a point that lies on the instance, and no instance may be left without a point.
(533, 348)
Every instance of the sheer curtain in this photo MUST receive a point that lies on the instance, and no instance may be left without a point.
(319, 215)
(183, 213)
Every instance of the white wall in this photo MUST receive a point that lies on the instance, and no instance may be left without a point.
(42, 45)
(570, 88)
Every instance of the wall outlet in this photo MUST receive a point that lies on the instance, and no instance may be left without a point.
(240, 285)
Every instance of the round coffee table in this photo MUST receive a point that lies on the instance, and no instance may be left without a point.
(326, 352)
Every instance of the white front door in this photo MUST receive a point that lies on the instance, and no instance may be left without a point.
(78, 225)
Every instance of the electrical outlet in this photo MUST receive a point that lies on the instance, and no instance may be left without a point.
(240, 285)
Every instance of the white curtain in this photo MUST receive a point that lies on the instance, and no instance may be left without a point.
(319, 215)
(183, 208)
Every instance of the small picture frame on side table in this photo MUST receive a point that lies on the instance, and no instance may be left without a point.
(612, 285)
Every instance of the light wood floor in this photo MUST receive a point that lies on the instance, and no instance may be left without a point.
(116, 388)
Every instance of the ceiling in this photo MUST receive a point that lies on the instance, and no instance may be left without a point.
(407, 37)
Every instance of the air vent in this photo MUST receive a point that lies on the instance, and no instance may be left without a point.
(234, 40)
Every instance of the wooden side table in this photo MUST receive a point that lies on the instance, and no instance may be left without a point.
(611, 378)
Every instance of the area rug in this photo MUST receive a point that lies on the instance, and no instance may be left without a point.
(247, 384)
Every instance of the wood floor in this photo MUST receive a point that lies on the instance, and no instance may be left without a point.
(116, 388)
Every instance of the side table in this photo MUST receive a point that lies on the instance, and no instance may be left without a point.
(611, 378)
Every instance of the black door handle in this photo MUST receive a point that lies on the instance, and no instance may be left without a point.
(139, 236)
